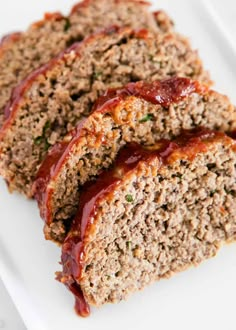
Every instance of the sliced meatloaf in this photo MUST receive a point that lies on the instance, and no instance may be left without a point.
(158, 211)
(45, 39)
(51, 100)
(139, 112)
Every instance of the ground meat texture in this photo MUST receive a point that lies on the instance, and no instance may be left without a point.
(21, 53)
(51, 101)
(140, 112)
(153, 214)
(164, 22)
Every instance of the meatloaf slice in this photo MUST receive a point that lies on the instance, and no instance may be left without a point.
(139, 112)
(45, 39)
(51, 101)
(158, 211)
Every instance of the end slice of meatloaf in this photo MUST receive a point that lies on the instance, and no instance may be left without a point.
(139, 112)
(51, 101)
(45, 39)
(157, 212)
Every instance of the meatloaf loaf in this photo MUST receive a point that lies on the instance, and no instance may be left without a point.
(139, 112)
(21, 53)
(155, 213)
(51, 100)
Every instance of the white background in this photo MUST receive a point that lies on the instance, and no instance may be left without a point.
(202, 298)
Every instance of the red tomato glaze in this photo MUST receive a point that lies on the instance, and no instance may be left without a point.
(73, 252)
(159, 92)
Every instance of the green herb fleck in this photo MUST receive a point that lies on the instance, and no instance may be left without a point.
(67, 25)
(108, 277)
(146, 118)
(46, 127)
(151, 57)
(96, 75)
(230, 192)
(212, 193)
(129, 198)
(42, 139)
(128, 245)
(179, 176)
(38, 140)
(46, 145)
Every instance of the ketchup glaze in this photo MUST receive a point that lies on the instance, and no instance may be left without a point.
(189, 143)
(163, 93)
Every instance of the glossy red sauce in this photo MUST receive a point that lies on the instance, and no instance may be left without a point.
(48, 169)
(163, 92)
(44, 174)
(159, 92)
(232, 135)
(73, 252)
(81, 306)
(73, 247)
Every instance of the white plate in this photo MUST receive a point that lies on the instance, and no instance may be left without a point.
(202, 298)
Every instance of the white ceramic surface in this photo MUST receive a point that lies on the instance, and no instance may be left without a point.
(201, 298)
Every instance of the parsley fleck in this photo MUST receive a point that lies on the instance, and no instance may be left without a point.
(128, 244)
(38, 140)
(212, 193)
(46, 127)
(230, 192)
(67, 25)
(129, 198)
(96, 75)
(146, 118)
(46, 145)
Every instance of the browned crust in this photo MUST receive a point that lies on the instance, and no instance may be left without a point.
(18, 92)
(8, 40)
(163, 92)
(56, 16)
(187, 146)
(59, 153)
(86, 3)
(9, 37)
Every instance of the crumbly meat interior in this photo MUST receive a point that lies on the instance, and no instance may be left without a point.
(57, 101)
(85, 21)
(178, 217)
(44, 40)
(146, 125)
(31, 50)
